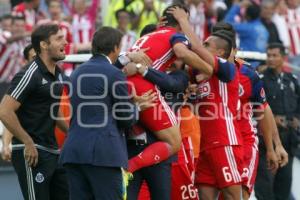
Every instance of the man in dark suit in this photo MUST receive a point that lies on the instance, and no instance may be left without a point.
(95, 150)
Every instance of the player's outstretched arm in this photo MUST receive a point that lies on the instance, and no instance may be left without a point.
(182, 17)
(192, 59)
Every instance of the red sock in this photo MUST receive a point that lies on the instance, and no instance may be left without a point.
(153, 154)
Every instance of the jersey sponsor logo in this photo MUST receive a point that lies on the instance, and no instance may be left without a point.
(39, 178)
(204, 89)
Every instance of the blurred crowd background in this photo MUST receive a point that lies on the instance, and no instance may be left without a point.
(257, 22)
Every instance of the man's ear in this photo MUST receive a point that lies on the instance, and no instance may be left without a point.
(220, 52)
(44, 45)
(117, 48)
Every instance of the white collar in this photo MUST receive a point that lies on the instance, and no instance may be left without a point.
(109, 60)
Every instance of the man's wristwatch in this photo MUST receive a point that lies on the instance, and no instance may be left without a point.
(139, 66)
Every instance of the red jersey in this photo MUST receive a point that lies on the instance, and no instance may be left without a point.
(218, 105)
(161, 42)
(11, 56)
(83, 26)
(31, 16)
(252, 95)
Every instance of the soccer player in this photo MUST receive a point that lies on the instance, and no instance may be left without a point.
(252, 95)
(164, 45)
(220, 165)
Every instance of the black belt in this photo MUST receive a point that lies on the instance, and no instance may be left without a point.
(136, 142)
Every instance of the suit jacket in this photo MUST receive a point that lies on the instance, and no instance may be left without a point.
(101, 109)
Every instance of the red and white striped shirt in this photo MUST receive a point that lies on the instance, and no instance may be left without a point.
(128, 41)
(31, 16)
(292, 19)
(197, 19)
(11, 56)
(83, 26)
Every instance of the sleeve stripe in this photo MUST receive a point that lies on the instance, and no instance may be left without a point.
(24, 81)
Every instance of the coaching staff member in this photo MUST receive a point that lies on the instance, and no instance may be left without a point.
(95, 150)
(27, 111)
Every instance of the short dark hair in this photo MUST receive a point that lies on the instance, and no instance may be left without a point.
(279, 46)
(26, 51)
(171, 21)
(119, 11)
(4, 17)
(15, 18)
(253, 11)
(229, 30)
(148, 29)
(105, 40)
(224, 35)
(43, 33)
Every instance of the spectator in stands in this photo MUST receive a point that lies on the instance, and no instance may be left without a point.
(29, 53)
(292, 18)
(252, 33)
(11, 46)
(83, 21)
(146, 12)
(29, 10)
(114, 5)
(129, 37)
(266, 14)
(197, 17)
(280, 22)
(5, 23)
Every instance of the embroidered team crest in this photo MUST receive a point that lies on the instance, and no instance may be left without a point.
(204, 89)
(39, 178)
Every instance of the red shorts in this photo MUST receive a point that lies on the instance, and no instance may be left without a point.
(158, 117)
(220, 167)
(251, 158)
(183, 172)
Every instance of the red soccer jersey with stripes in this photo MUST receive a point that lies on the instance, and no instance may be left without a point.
(11, 56)
(31, 16)
(252, 95)
(160, 44)
(217, 107)
(292, 19)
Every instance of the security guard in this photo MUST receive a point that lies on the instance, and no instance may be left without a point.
(283, 95)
